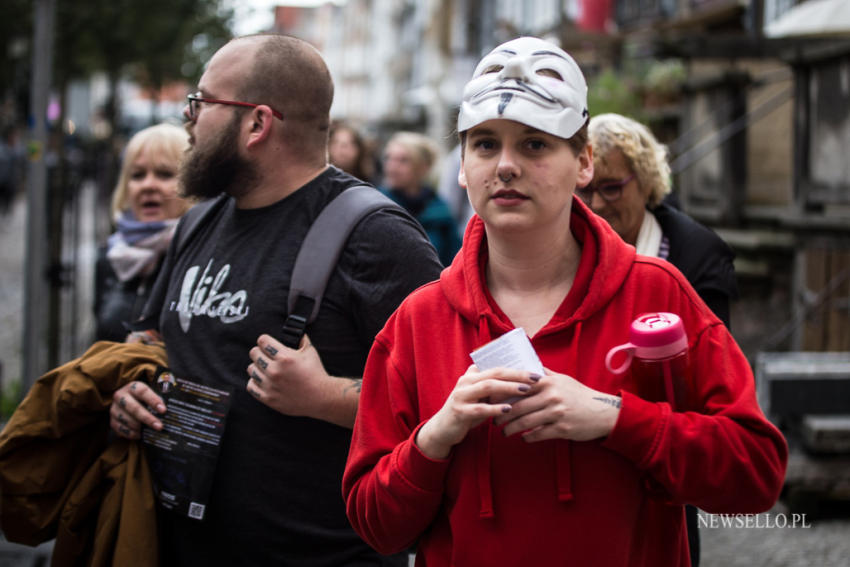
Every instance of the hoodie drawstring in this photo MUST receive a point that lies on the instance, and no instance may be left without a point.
(483, 442)
(483, 448)
(483, 463)
(563, 466)
(562, 471)
(562, 455)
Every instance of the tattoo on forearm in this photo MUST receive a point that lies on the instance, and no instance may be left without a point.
(356, 385)
(611, 401)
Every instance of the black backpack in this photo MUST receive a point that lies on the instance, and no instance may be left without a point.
(316, 258)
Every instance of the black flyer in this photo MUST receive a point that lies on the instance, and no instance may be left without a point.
(182, 456)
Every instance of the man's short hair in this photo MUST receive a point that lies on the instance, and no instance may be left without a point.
(290, 75)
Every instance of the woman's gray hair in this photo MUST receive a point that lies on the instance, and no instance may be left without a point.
(646, 156)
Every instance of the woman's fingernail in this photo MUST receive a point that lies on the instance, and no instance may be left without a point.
(523, 387)
(506, 409)
(535, 377)
(160, 408)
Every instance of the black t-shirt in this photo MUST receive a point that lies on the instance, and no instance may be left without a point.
(276, 497)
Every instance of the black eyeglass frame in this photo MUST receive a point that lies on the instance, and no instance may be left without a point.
(196, 98)
(609, 191)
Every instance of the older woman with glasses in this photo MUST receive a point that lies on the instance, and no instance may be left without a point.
(631, 178)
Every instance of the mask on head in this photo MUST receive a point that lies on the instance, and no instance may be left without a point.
(518, 81)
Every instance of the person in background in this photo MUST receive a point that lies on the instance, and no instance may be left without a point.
(145, 209)
(572, 465)
(408, 159)
(631, 177)
(348, 151)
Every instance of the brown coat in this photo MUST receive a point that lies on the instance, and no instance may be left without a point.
(62, 477)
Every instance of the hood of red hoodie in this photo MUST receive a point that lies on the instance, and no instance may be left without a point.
(605, 261)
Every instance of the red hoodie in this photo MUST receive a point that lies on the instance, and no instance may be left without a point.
(503, 501)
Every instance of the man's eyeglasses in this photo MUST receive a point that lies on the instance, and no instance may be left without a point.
(610, 191)
(196, 99)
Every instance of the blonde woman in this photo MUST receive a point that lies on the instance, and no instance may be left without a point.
(408, 159)
(145, 209)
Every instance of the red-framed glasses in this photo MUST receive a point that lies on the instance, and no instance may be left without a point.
(610, 191)
(196, 99)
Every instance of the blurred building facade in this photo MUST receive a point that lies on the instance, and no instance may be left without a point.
(751, 96)
(761, 153)
(752, 99)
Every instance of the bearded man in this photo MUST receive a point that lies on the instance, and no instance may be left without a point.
(259, 132)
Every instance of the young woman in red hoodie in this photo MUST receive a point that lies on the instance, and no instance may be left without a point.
(575, 466)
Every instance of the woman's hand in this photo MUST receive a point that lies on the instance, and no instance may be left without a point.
(476, 397)
(560, 407)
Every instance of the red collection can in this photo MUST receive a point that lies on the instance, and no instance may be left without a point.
(657, 353)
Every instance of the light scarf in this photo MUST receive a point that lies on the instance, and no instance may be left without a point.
(136, 247)
(649, 237)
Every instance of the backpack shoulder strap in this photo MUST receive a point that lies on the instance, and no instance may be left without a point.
(320, 252)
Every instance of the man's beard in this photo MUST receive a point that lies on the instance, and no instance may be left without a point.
(217, 167)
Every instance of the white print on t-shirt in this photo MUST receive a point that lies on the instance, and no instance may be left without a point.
(199, 298)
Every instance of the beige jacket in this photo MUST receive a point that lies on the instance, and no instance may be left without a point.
(60, 474)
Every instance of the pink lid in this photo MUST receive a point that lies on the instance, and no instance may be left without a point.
(658, 335)
(652, 336)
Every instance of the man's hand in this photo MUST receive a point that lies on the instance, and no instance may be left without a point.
(128, 410)
(476, 397)
(148, 337)
(294, 382)
(560, 407)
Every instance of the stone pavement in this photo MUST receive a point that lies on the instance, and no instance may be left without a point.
(12, 232)
(761, 541)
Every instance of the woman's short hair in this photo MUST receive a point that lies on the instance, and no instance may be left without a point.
(290, 75)
(423, 149)
(164, 142)
(646, 157)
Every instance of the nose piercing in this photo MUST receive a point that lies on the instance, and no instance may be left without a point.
(505, 179)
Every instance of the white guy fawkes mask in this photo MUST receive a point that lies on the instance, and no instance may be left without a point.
(519, 81)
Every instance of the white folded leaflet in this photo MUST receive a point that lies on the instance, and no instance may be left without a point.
(511, 350)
